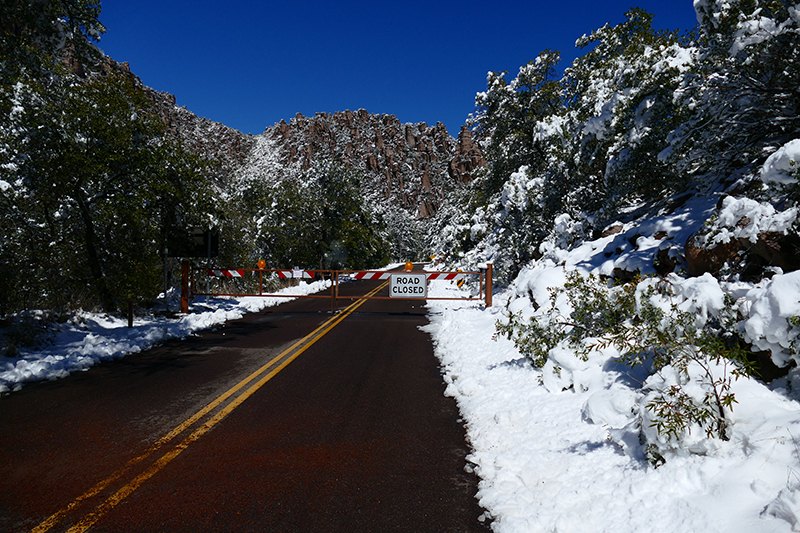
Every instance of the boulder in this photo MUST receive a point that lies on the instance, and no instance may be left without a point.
(770, 249)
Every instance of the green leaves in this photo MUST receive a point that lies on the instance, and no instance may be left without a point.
(596, 311)
(621, 98)
(320, 222)
(640, 320)
(95, 180)
(37, 35)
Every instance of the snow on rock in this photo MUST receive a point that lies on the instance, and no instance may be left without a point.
(535, 283)
(780, 166)
(746, 219)
(768, 307)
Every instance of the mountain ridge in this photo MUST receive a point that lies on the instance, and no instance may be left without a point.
(412, 165)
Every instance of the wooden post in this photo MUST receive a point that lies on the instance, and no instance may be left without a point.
(184, 287)
(489, 288)
(334, 290)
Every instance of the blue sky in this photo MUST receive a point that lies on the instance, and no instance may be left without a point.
(248, 63)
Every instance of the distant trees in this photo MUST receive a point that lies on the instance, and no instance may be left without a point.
(93, 188)
(318, 221)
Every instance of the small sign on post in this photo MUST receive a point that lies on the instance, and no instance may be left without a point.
(408, 285)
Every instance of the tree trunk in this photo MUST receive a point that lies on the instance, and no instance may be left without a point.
(90, 245)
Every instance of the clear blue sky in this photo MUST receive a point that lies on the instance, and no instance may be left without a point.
(250, 63)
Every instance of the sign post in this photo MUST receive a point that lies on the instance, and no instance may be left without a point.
(408, 285)
(489, 284)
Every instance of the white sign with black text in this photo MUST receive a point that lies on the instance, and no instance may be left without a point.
(408, 285)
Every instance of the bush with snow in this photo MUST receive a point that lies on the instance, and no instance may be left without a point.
(783, 166)
(568, 446)
(682, 331)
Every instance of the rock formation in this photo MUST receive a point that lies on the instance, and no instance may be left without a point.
(414, 166)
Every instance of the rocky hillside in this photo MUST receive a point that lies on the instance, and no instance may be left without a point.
(215, 141)
(413, 166)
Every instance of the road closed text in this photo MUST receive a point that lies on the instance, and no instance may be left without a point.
(408, 286)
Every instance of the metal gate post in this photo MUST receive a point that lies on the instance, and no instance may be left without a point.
(489, 288)
(334, 290)
(184, 286)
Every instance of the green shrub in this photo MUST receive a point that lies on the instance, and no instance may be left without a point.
(596, 310)
(642, 320)
(29, 329)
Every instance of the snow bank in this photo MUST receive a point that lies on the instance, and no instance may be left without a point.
(768, 307)
(91, 338)
(564, 447)
(571, 461)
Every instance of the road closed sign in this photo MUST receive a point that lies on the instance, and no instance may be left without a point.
(408, 285)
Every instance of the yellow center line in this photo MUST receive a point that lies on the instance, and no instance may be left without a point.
(289, 355)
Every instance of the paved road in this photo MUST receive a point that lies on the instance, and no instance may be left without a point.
(348, 431)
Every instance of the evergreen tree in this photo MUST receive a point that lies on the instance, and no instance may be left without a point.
(92, 182)
(621, 111)
(37, 36)
(508, 113)
(745, 94)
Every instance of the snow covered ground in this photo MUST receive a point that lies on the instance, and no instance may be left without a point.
(562, 448)
(90, 338)
(549, 459)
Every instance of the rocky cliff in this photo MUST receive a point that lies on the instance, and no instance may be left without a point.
(414, 165)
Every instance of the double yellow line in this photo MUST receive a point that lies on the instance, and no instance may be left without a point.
(236, 394)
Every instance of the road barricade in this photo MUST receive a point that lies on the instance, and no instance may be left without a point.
(265, 282)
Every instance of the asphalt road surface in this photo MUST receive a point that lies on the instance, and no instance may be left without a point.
(256, 426)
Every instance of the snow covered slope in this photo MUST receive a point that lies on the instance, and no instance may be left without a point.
(569, 446)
